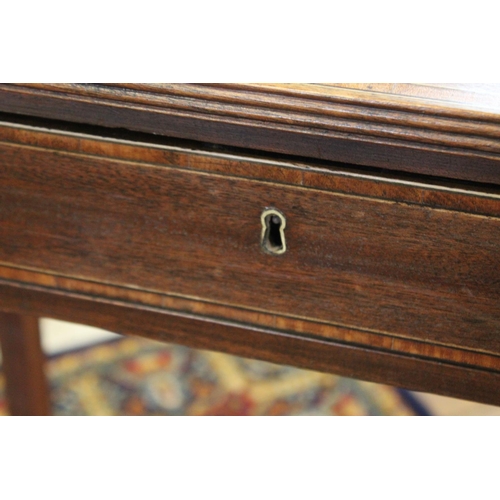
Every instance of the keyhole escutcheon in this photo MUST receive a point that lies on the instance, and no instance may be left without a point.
(273, 231)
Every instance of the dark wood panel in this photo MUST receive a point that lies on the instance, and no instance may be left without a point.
(373, 264)
(332, 178)
(448, 137)
(260, 343)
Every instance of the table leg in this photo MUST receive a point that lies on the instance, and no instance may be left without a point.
(23, 365)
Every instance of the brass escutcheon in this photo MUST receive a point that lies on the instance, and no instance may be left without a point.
(273, 231)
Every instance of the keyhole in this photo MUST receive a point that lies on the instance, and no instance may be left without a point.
(273, 231)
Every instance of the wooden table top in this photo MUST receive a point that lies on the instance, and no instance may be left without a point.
(475, 98)
(443, 130)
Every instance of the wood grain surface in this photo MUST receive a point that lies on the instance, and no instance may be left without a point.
(389, 267)
(445, 130)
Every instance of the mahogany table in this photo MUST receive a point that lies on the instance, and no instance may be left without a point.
(346, 228)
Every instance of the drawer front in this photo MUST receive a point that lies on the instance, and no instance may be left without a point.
(189, 225)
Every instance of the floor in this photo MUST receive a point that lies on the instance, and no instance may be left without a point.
(440, 405)
(60, 336)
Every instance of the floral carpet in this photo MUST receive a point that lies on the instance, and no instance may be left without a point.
(133, 376)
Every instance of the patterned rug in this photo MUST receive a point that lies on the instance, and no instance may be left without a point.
(133, 376)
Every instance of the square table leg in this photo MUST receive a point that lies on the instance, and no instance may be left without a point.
(23, 365)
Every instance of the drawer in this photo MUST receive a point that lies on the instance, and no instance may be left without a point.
(396, 263)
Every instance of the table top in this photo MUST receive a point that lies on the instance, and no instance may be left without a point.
(468, 99)
(441, 130)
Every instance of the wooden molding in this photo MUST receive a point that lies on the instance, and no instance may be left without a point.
(448, 131)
